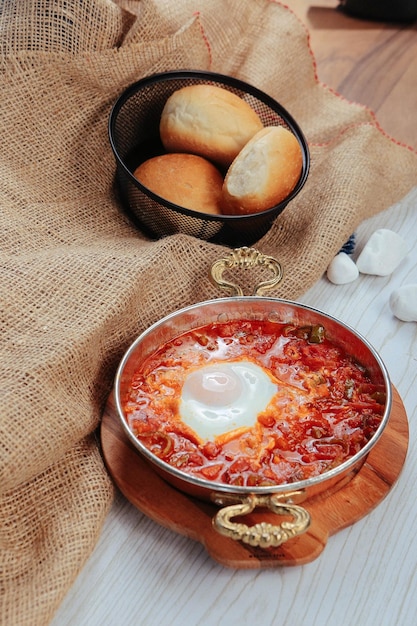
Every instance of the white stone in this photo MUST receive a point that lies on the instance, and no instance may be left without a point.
(383, 252)
(403, 303)
(342, 269)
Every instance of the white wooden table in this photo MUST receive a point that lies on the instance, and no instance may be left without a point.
(143, 574)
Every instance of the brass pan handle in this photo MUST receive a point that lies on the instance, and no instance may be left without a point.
(263, 534)
(246, 258)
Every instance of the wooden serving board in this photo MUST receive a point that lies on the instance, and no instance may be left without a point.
(188, 516)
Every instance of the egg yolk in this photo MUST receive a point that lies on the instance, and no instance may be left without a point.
(223, 397)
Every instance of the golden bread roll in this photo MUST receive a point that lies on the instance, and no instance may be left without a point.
(264, 173)
(209, 121)
(187, 180)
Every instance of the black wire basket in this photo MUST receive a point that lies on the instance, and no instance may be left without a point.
(134, 138)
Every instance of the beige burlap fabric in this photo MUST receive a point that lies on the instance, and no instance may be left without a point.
(78, 282)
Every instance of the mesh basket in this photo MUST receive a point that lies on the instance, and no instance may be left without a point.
(134, 137)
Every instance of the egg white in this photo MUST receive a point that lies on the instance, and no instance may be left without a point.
(224, 396)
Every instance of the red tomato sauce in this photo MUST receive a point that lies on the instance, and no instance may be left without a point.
(325, 410)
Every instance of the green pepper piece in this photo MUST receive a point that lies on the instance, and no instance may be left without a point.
(317, 334)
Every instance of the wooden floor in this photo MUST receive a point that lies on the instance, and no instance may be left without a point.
(374, 63)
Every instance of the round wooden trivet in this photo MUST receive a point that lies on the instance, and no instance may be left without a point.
(193, 518)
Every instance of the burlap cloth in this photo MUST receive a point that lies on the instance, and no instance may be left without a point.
(79, 282)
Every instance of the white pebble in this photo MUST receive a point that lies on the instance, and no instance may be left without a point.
(383, 252)
(342, 269)
(403, 303)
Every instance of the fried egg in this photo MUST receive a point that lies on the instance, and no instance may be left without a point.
(222, 397)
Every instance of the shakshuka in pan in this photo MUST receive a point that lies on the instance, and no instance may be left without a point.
(253, 403)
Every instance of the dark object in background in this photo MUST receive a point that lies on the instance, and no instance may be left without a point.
(381, 10)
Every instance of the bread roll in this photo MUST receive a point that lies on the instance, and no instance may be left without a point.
(209, 121)
(264, 173)
(187, 180)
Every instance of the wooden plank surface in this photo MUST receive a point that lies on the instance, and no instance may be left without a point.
(373, 63)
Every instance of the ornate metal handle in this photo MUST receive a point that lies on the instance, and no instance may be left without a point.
(246, 257)
(263, 535)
